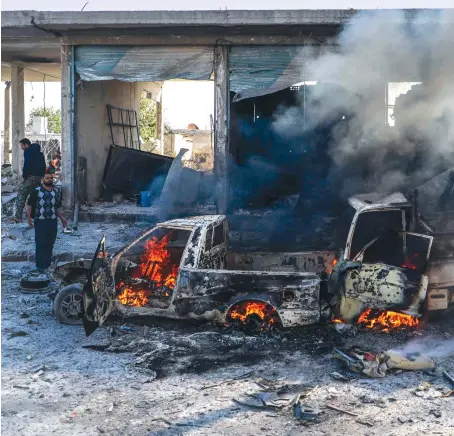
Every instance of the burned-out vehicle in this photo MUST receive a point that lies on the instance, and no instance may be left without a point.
(183, 269)
(393, 260)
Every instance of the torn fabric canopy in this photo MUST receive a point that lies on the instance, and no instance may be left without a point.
(262, 70)
(143, 63)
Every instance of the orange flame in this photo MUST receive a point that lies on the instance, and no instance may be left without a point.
(155, 260)
(154, 267)
(408, 263)
(387, 320)
(337, 321)
(245, 309)
(129, 297)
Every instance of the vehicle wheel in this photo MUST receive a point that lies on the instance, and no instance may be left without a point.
(266, 320)
(68, 305)
(74, 278)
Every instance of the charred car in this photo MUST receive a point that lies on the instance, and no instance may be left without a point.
(183, 269)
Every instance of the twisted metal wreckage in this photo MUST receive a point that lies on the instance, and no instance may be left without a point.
(182, 269)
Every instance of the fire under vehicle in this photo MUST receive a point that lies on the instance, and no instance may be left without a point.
(182, 269)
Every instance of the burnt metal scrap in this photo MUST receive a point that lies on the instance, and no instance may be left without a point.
(183, 269)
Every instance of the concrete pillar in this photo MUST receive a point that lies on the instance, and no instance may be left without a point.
(18, 118)
(67, 134)
(160, 126)
(221, 124)
(7, 124)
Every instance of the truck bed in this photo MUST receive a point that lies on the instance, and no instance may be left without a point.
(316, 262)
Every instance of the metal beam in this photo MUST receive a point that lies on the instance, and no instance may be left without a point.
(172, 39)
(18, 118)
(221, 124)
(67, 134)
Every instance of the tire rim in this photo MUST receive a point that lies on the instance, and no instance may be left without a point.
(72, 306)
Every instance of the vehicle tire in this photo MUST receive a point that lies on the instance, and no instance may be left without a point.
(68, 305)
(75, 277)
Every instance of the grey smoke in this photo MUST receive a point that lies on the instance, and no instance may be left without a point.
(435, 348)
(380, 47)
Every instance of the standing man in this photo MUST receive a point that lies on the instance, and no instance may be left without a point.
(32, 172)
(43, 209)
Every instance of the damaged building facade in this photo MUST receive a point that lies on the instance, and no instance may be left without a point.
(105, 59)
(266, 149)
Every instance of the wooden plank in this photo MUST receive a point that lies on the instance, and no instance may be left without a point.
(221, 124)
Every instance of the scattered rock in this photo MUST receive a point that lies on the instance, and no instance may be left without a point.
(17, 334)
(8, 189)
(38, 374)
(21, 387)
(436, 413)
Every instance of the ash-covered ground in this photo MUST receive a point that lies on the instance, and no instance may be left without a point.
(168, 378)
(18, 240)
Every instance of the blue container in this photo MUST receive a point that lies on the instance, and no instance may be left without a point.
(145, 199)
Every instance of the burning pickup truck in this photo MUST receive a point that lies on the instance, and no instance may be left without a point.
(183, 269)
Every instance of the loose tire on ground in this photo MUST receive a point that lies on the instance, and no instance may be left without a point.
(68, 305)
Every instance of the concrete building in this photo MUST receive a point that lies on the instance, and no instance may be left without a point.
(108, 58)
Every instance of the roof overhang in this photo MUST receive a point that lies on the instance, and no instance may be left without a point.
(35, 36)
(35, 72)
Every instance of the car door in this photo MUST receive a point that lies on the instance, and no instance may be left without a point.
(390, 279)
(99, 292)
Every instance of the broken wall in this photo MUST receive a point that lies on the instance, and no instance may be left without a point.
(93, 137)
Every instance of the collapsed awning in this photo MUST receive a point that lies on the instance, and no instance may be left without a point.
(143, 63)
(261, 70)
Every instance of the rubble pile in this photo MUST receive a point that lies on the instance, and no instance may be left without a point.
(9, 190)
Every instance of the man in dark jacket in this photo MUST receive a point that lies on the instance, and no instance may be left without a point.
(32, 172)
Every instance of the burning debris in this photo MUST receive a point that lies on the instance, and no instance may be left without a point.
(386, 320)
(254, 315)
(128, 297)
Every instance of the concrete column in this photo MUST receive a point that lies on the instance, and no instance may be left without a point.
(160, 126)
(67, 134)
(7, 124)
(18, 118)
(221, 124)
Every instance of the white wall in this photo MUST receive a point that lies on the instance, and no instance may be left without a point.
(188, 101)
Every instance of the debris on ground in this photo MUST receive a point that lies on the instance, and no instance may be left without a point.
(339, 409)
(448, 377)
(377, 364)
(280, 398)
(17, 334)
(306, 413)
(341, 377)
